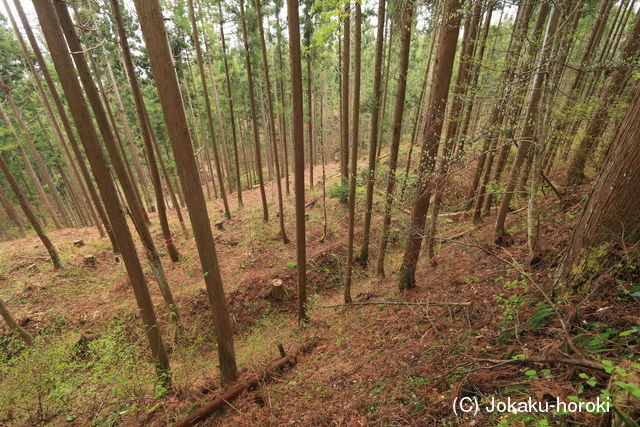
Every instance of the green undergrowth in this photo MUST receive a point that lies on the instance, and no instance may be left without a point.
(61, 374)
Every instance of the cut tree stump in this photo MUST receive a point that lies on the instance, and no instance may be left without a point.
(277, 292)
(78, 243)
(249, 384)
(89, 261)
(81, 346)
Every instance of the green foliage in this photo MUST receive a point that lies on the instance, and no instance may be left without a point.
(62, 375)
(532, 374)
(597, 339)
(340, 192)
(417, 381)
(510, 306)
(377, 389)
(541, 316)
(11, 66)
(590, 380)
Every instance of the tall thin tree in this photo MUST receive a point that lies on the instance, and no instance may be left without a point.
(164, 74)
(66, 123)
(272, 126)
(89, 138)
(13, 325)
(293, 19)
(232, 119)
(447, 43)
(363, 258)
(12, 214)
(207, 105)
(344, 113)
(354, 148)
(527, 135)
(123, 175)
(405, 24)
(254, 115)
(146, 131)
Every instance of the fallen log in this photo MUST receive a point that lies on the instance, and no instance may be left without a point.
(249, 384)
(311, 203)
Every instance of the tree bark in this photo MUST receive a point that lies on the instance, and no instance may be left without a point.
(146, 131)
(204, 165)
(13, 325)
(133, 148)
(598, 121)
(169, 183)
(272, 127)
(119, 144)
(11, 211)
(405, 47)
(455, 111)
(95, 198)
(254, 116)
(417, 122)
(89, 137)
(310, 123)
(610, 213)
(346, 65)
(385, 91)
(298, 154)
(527, 135)
(283, 114)
(354, 149)
(207, 104)
(226, 166)
(157, 43)
(363, 258)
(236, 156)
(533, 219)
(323, 109)
(435, 117)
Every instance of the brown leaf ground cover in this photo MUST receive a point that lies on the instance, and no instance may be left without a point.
(374, 364)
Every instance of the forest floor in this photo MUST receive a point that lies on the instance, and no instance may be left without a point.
(371, 364)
